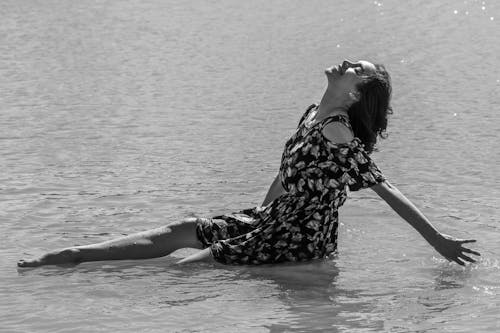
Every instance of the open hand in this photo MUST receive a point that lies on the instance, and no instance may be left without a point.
(451, 248)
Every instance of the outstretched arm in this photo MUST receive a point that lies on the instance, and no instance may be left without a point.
(449, 247)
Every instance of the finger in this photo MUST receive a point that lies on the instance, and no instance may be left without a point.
(458, 261)
(464, 249)
(469, 259)
(467, 241)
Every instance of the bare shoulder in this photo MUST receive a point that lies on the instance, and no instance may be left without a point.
(337, 132)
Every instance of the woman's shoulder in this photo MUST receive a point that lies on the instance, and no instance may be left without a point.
(337, 132)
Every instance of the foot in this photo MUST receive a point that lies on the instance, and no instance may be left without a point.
(65, 256)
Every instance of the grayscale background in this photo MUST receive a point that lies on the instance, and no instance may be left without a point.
(120, 116)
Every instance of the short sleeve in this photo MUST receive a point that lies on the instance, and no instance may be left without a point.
(364, 172)
(304, 116)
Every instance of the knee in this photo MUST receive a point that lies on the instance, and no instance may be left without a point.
(184, 230)
(190, 220)
(194, 220)
(184, 224)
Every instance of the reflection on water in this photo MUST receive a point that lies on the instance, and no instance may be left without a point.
(452, 279)
(311, 296)
(293, 296)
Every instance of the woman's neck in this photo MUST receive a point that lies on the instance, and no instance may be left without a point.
(330, 105)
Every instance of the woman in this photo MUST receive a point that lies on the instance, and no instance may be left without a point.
(298, 219)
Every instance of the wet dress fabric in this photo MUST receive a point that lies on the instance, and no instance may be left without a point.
(301, 224)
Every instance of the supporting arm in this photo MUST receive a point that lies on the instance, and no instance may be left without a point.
(275, 190)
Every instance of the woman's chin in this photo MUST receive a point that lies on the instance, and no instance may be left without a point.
(332, 72)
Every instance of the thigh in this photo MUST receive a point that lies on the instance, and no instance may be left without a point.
(179, 234)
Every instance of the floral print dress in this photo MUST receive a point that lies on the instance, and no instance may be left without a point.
(301, 224)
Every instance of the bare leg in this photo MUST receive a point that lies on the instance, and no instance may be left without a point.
(143, 245)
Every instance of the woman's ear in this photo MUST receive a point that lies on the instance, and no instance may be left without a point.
(355, 96)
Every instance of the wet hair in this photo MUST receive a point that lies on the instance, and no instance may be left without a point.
(368, 116)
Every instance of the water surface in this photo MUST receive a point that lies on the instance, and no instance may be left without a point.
(119, 116)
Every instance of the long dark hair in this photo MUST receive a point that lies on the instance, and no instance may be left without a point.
(368, 116)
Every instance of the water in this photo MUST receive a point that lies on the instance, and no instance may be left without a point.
(119, 116)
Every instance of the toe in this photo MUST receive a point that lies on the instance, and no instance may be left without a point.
(23, 263)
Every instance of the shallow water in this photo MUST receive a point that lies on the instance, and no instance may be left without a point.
(119, 116)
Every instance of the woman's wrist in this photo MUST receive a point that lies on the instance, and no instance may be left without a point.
(434, 237)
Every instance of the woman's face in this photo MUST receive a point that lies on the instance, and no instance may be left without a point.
(344, 78)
